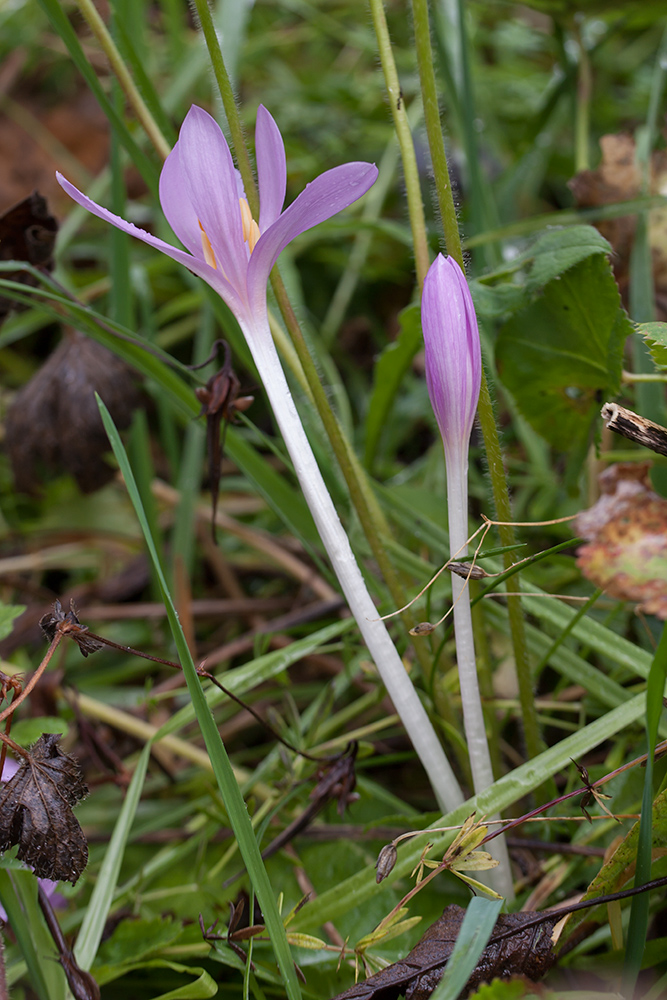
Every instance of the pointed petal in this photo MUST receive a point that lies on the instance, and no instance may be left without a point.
(177, 206)
(199, 267)
(271, 168)
(322, 198)
(452, 352)
(211, 184)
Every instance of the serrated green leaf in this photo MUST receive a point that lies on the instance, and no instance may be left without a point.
(558, 250)
(563, 353)
(655, 335)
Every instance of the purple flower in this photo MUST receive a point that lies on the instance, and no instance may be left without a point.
(453, 355)
(203, 199)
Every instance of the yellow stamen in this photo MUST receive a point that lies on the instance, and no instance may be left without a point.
(254, 235)
(209, 255)
(251, 231)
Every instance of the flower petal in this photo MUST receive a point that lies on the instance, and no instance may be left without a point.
(452, 351)
(322, 198)
(177, 206)
(211, 183)
(271, 168)
(214, 278)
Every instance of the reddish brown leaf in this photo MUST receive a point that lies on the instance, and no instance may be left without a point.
(36, 812)
(626, 531)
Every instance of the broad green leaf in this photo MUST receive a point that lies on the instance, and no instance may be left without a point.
(8, 612)
(134, 940)
(563, 352)
(655, 335)
(558, 250)
(476, 929)
(390, 368)
(27, 731)
(202, 987)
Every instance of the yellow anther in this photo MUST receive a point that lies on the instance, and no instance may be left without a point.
(254, 235)
(209, 255)
(250, 228)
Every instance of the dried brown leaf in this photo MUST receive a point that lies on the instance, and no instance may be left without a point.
(27, 232)
(54, 423)
(626, 532)
(50, 621)
(36, 812)
(527, 951)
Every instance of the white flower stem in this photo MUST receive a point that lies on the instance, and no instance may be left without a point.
(335, 540)
(499, 878)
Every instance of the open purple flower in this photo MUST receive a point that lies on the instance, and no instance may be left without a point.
(204, 202)
(203, 199)
(453, 355)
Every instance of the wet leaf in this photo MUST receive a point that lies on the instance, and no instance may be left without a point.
(53, 423)
(527, 951)
(27, 232)
(36, 812)
(626, 533)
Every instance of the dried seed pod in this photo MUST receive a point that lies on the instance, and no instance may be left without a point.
(385, 862)
(54, 424)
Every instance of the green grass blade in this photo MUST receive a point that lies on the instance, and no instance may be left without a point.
(18, 895)
(90, 935)
(639, 911)
(476, 929)
(222, 768)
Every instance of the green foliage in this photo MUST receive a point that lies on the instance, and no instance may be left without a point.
(562, 354)
(8, 614)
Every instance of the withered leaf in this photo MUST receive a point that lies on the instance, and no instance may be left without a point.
(36, 812)
(54, 424)
(49, 622)
(27, 232)
(220, 401)
(525, 951)
(626, 531)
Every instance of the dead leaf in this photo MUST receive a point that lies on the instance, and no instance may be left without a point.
(27, 232)
(36, 812)
(626, 531)
(618, 178)
(50, 621)
(527, 951)
(53, 423)
(220, 401)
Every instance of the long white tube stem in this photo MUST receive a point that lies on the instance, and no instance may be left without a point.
(335, 540)
(499, 878)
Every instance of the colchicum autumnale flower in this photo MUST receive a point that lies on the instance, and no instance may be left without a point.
(204, 202)
(453, 362)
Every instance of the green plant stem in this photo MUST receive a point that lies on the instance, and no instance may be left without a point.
(583, 104)
(404, 135)
(485, 407)
(99, 29)
(229, 103)
(434, 132)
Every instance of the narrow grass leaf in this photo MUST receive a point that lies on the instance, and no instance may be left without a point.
(222, 768)
(97, 911)
(18, 895)
(476, 929)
